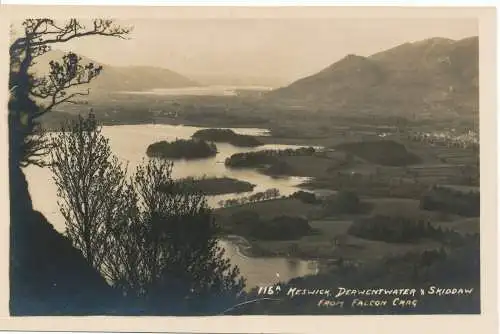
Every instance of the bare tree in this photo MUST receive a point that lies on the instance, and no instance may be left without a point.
(91, 187)
(180, 251)
(31, 96)
(153, 238)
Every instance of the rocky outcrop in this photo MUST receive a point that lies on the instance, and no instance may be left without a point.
(48, 276)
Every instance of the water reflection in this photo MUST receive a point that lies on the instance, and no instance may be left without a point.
(129, 143)
(265, 271)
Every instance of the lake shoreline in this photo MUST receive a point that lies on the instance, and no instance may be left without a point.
(250, 249)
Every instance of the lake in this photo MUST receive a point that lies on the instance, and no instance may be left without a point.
(129, 143)
(212, 90)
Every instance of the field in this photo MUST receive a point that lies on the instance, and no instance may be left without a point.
(331, 240)
(270, 209)
(370, 155)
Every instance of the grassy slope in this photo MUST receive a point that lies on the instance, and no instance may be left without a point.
(270, 209)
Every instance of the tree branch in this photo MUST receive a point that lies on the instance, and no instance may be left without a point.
(74, 30)
(39, 35)
(56, 102)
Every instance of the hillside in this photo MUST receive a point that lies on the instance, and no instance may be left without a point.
(381, 152)
(425, 77)
(127, 78)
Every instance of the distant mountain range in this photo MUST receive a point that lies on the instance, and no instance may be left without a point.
(432, 75)
(126, 78)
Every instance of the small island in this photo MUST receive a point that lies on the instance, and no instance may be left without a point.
(267, 159)
(182, 149)
(217, 185)
(226, 136)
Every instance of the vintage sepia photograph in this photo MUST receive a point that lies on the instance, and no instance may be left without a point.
(223, 166)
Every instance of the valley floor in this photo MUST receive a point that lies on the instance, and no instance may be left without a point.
(391, 190)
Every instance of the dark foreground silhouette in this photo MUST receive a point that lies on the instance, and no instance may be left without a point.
(47, 275)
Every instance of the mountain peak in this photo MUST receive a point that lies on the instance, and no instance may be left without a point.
(349, 61)
(436, 74)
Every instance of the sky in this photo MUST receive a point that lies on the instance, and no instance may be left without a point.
(268, 52)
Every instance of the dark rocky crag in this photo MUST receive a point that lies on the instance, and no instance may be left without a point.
(48, 276)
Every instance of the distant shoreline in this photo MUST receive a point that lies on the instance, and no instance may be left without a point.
(265, 131)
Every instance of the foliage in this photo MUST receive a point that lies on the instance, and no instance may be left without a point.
(265, 157)
(175, 254)
(382, 152)
(217, 185)
(451, 201)
(345, 202)
(91, 186)
(182, 149)
(305, 197)
(250, 159)
(158, 247)
(227, 136)
(260, 196)
(395, 229)
(32, 96)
